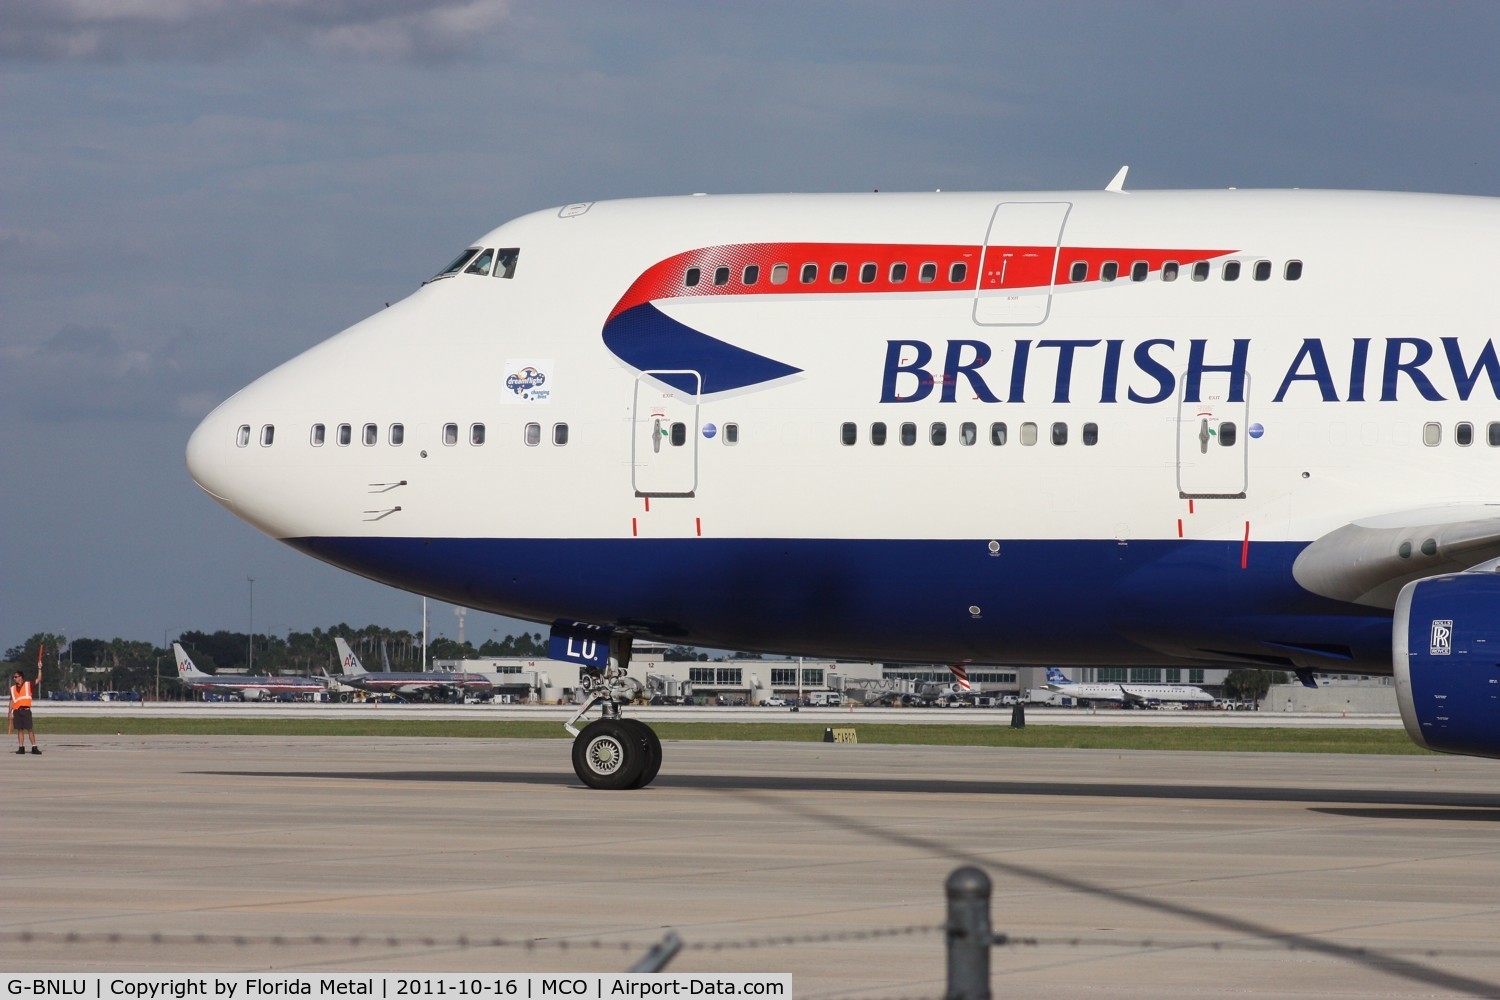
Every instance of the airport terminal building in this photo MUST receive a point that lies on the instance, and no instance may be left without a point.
(754, 681)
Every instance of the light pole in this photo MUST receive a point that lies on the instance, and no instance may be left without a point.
(166, 635)
(250, 636)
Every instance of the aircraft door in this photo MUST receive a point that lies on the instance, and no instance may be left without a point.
(664, 434)
(1019, 266)
(1212, 459)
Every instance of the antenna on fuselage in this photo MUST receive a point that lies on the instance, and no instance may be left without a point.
(1118, 184)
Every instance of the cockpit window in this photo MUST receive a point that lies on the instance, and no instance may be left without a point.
(500, 262)
(459, 262)
(481, 264)
(505, 262)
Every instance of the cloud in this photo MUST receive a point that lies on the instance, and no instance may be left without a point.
(121, 30)
(84, 373)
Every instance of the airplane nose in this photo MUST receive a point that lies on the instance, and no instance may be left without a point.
(206, 457)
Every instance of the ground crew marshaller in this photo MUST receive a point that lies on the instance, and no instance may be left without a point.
(18, 715)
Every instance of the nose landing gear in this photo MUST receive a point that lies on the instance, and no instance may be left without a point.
(613, 752)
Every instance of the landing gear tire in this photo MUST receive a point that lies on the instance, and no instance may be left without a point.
(610, 754)
(652, 746)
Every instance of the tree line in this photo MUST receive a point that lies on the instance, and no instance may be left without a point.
(87, 664)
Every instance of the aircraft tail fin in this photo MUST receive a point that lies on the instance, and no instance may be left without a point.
(960, 677)
(186, 669)
(351, 665)
(1056, 676)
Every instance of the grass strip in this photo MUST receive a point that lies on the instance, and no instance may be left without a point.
(1271, 739)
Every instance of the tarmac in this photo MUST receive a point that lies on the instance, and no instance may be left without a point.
(1115, 874)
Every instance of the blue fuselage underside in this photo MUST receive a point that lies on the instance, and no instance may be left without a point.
(1032, 602)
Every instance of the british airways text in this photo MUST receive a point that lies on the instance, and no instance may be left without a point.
(1359, 369)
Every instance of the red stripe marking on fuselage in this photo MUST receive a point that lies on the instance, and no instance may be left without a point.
(985, 268)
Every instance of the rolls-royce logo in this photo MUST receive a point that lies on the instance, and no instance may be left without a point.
(1442, 637)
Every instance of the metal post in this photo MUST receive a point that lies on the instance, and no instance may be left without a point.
(660, 954)
(969, 935)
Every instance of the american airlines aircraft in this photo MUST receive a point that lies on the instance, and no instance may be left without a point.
(1075, 427)
(1126, 692)
(245, 687)
(438, 685)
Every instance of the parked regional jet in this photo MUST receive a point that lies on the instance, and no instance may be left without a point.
(245, 687)
(1137, 695)
(1073, 427)
(435, 685)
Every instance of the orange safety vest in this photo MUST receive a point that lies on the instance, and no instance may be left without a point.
(20, 697)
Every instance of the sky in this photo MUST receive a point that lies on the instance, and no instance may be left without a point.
(192, 191)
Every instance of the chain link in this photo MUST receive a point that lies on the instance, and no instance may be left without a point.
(465, 942)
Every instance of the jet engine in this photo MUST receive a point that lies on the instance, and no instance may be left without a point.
(1446, 648)
(252, 694)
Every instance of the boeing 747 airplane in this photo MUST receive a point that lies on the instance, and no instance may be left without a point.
(1193, 428)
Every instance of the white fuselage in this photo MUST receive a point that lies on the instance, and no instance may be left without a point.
(1073, 468)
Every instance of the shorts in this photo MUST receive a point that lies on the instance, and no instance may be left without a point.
(20, 719)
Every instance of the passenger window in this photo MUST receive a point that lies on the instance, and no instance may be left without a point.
(779, 274)
(721, 276)
(1090, 435)
(346, 434)
(867, 273)
(532, 435)
(1200, 271)
(999, 434)
(692, 277)
(559, 434)
(1110, 271)
(1494, 434)
(898, 273)
(318, 432)
(967, 434)
(1293, 270)
(1139, 270)
(928, 273)
(369, 435)
(267, 435)
(242, 436)
(481, 264)
(679, 434)
(1059, 433)
(1169, 271)
(809, 274)
(958, 272)
(1028, 434)
(1229, 433)
(1231, 270)
(1080, 271)
(1463, 435)
(1262, 270)
(476, 433)
(1432, 435)
(450, 434)
(505, 262)
(751, 274)
(877, 432)
(396, 435)
(838, 274)
(731, 433)
(908, 434)
(848, 433)
(938, 433)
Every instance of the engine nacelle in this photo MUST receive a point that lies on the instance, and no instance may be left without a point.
(1446, 647)
(252, 694)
